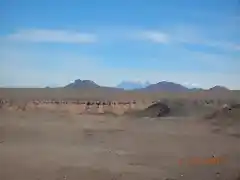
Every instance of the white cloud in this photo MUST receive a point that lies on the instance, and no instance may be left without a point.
(52, 36)
(222, 45)
(154, 36)
(194, 35)
(188, 34)
(191, 85)
(218, 37)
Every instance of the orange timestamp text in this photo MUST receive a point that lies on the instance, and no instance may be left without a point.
(201, 161)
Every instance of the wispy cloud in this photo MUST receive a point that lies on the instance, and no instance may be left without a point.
(186, 35)
(154, 36)
(52, 36)
(224, 45)
(199, 36)
(191, 85)
(181, 34)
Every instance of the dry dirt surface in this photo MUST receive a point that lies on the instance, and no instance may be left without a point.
(45, 145)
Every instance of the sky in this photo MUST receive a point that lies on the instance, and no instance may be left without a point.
(52, 43)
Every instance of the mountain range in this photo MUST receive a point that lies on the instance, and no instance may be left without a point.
(146, 87)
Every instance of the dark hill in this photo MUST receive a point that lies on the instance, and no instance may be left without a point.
(166, 86)
(219, 88)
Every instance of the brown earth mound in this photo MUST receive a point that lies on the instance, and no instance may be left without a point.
(175, 108)
(231, 112)
(189, 108)
(226, 119)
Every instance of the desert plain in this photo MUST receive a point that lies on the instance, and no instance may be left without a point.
(49, 134)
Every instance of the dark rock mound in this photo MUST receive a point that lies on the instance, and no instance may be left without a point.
(187, 108)
(158, 109)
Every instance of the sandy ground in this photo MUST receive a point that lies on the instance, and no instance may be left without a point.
(55, 146)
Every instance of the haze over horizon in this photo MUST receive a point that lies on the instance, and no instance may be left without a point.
(45, 43)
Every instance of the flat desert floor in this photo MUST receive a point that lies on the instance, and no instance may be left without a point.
(55, 146)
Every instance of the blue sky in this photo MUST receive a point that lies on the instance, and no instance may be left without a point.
(192, 42)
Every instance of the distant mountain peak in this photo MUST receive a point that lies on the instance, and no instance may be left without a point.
(219, 88)
(78, 83)
(166, 86)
